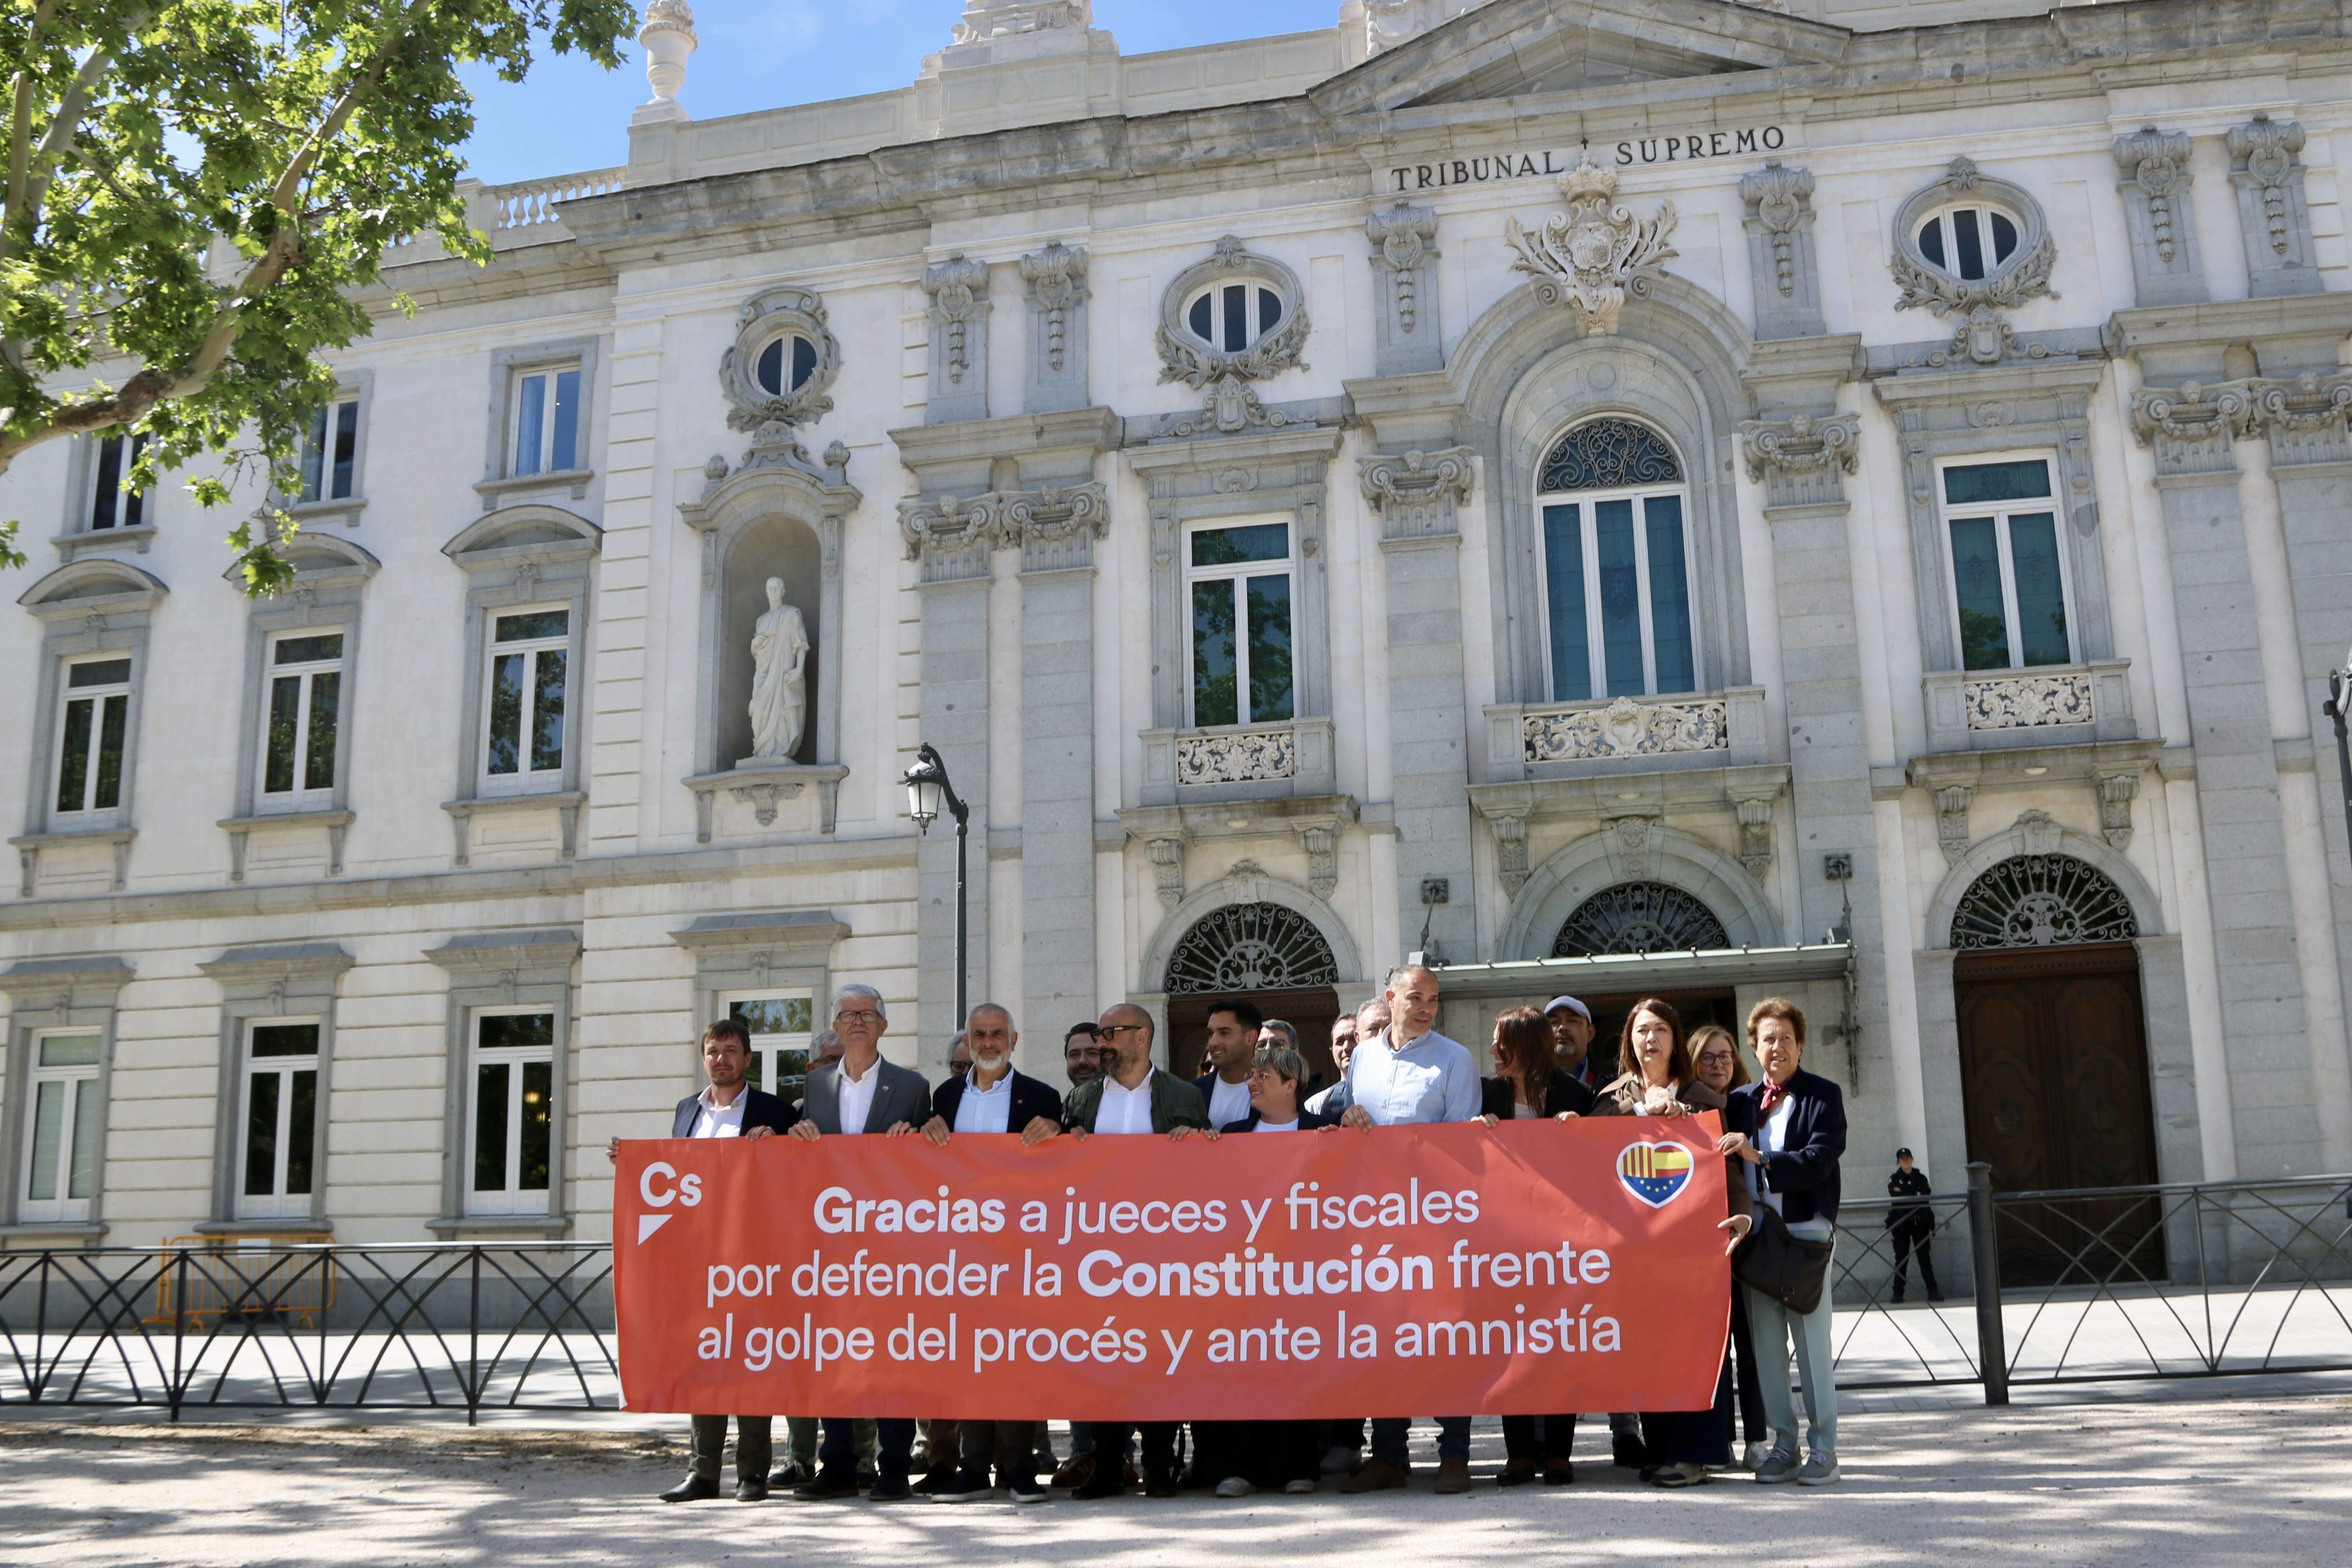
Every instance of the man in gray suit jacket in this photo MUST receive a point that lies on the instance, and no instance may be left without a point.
(861, 1093)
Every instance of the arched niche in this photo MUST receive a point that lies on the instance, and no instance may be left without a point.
(1616, 854)
(1525, 374)
(782, 547)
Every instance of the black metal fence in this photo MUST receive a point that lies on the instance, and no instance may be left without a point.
(2116, 1284)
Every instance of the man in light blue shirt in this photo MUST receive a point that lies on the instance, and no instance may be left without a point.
(1408, 1076)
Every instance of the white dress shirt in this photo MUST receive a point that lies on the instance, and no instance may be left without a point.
(1126, 1109)
(986, 1109)
(1431, 1080)
(1772, 1138)
(1228, 1102)
(1289, 1126)
(714, 1120)
(857, 1095)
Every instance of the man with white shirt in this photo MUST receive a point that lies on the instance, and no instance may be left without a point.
(1132, 1097)
(728, 1107)
(1407, 1076)
(1225, 1088)
(991, 1098)
(862, 1093)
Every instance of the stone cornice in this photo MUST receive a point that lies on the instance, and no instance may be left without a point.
(2254, 407)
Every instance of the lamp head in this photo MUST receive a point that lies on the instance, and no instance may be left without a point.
(926, 784)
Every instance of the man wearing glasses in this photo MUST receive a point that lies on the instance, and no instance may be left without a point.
(862, 1093)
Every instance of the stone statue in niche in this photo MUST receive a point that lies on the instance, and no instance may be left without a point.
(780, 649)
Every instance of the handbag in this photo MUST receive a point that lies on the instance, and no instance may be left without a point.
(1785, 1267)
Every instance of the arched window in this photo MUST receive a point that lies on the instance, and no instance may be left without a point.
(785, 364)
(1617, 563)
(1251, 947)
(1639, 917)
(2042, 900)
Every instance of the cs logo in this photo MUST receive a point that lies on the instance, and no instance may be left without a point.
(655, 1187)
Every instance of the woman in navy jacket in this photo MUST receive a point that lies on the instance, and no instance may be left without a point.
(1788, 1132)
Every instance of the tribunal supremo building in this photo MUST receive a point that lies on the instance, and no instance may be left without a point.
(1628, 496)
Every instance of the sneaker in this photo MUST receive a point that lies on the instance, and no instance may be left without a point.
(964, 1488)
(1777, 1465)
(1029, 1488)
(1377, 1475)
(1684, 1475)
(1298, 1486)
(1341, 1461)
(1820, 1470)
(1236, 1486)
(889, 1489)
(934, 1483)
(1752, 1456)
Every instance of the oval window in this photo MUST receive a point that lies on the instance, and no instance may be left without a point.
(1971, 243)
(785, 365)
(1231, 317)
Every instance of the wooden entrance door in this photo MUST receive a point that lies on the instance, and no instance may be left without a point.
(2053, 1070)
(1309, 1010)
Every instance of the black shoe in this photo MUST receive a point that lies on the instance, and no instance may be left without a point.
(967, 1486)
(694, 1488)
(825, 1485)
(1106, 1481)
(865, 1478)
(934, 1483)
(751, 1488)
(889, 1489)
(1028, 1489)
(1159, 1483)
(788, 1475)
(1517, 1473)
(1625, 1452)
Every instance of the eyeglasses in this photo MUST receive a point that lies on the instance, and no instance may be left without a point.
(861, 1017)
(1123, 1029)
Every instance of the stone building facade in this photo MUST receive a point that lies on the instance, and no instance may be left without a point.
(1642, 496)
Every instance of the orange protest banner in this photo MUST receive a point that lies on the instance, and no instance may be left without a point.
(1527, 1268)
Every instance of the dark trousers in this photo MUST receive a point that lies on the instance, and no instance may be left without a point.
(1159, 1444)
(1270, 1454)
(752, 1445)
(1692, 1436)
(1349, 1435)
(1389, 1436)
(1908, 1239)
(1752, 1424)
(969, 1448)
(894, 1445)
(1522, 1446)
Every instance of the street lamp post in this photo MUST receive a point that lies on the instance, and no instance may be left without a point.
(2339, 696)
(927, 789)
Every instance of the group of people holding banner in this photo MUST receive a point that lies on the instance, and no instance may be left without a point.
(1784, 1135)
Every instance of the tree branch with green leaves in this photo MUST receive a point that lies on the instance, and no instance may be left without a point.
(199, 193)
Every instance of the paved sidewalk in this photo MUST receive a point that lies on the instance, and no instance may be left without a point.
(2169, 1485)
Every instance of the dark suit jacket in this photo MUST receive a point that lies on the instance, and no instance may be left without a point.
(1308, 1122)
(903, 1095)
(1805, 1173)
(760, 1108)
(1496, 1097)
(1031, 1100)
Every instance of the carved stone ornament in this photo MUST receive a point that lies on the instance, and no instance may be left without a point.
(1627, 728)
(1802, 445)
(1388, 23)
(2025, 275)
(1003, 518)
(2028, 702)
(766, 316)
(2192, 426)
(1237, 756)
(958, 288)
(987, 19)
(1407, 236)
(1416, 493)
(2265, 151)
(1056, 277)
(1594, 255)
(1185, 357)
(1230, 408)
(2158, 163)
(1779, 194)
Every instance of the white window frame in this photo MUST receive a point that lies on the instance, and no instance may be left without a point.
(1941, 219)
(513, 1199)
(544, 437)
(277, 1204)
(1589, 540)
(788, 339)
(89, 814)
(302, 797)
(125, 498)
(1254, 327)
(1237, 572)
(2001, 512)
(766, 1046)
(525, 779)
(318, 442)
(83, 1085)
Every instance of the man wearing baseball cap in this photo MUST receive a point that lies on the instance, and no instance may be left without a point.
(1571, 1039)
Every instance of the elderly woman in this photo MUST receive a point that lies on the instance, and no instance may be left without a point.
(1527, 1085)
(1714, 1056)
(1657, 1077)
(1788, 1134)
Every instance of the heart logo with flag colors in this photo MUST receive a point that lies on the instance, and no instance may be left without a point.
(1654, 1172)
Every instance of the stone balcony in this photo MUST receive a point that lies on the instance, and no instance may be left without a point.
(1625, 734)
(1245, 762)
(2050, 705)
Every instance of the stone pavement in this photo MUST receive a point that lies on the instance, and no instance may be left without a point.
(2170, 1483)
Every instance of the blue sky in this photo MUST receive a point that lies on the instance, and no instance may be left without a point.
(760, 54)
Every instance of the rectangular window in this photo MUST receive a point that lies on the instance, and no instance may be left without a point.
(781, 1026)
(112, 502)
(60, 1168)
(92, 723)
(280, 1123)
(1625, 563)
(529, 651)
(512, 1127)
(547, 421)
(1239, 583)
(306, 689)
(328, 450)
(2009, 573)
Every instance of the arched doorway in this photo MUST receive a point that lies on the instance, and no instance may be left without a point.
(1645, 917)
(2053, 1066)
(1269, 953)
